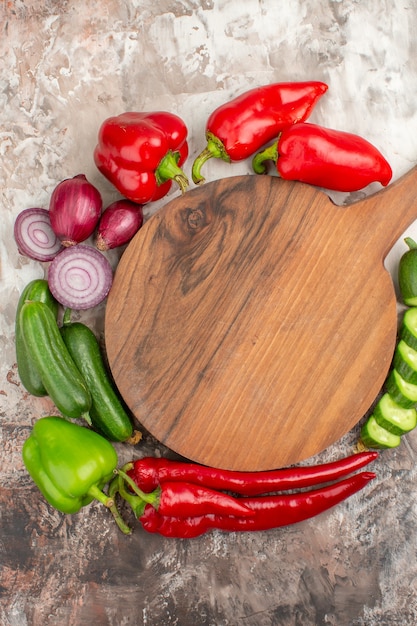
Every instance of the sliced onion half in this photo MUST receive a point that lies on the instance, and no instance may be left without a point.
(34, 235)
(80, 277)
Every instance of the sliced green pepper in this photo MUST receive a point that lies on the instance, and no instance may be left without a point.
(70, 464)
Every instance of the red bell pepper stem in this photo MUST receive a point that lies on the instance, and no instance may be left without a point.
(181, 499)
(150, 472)
(270, 511)
(168, 169)
(240, 127)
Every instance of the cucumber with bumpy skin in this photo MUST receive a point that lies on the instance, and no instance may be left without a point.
(37, 290)
(59, 374)
(107, 413)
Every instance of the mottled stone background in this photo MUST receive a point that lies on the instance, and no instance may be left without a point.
(65, 66)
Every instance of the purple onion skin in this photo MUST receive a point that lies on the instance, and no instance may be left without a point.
(75, 208)
(118, 224)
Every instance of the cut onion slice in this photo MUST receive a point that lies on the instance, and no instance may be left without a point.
(34, 235)
(80, 277)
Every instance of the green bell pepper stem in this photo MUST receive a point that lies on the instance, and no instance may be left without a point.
(168, 169)
(269, 154)
(99, 495)
(66, 319)
(214, 149)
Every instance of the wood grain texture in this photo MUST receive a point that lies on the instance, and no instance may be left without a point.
(251, 322)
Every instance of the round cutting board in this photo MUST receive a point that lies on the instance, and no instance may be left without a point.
(251, 322)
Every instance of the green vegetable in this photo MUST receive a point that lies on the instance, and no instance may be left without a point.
(36, 290)
(408, 328)
(402, 392)
(394, 418)
(375, 436)
(405, 362)
(407, 274)
(60, 376)
(107, 413)
(70, 464)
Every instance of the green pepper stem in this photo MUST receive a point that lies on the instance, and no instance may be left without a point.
(214, 148)
(269, 154)
(410, 243)
(113, 490)
(67, 317)
(168, 169)
(99, 495)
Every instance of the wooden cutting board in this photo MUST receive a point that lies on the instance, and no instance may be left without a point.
(252, 323)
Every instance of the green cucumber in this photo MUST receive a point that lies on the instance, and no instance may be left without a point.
(394, 418)
(402, 392)
(60, 376)
(375, 436)
(405, 362)
(408, 328)
(407, 274)
(37, 290)
(107, 413)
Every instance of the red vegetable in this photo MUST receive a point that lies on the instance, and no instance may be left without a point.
(326, 158)
(150, 472)
(181, 499)
(74, 210)
(118, 223)
(80, 277)
(142, 153)
(237, 129)
(34, 235)
(269, 511)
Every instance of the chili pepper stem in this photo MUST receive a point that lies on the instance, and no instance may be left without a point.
(214, 148)
(113, 490)
(149, 498)
(269, 154)
(168, 169)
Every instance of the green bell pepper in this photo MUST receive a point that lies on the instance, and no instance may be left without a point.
(70, 464)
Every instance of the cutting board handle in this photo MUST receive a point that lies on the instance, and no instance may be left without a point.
(387, 213)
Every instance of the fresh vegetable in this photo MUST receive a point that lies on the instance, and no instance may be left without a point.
(118, 223)
(59, 375)
(269, 512)
(142, 153)
(408, 328)
(394, 418)
(405, 362)
(375, 436)
(149, 472)
(180, 498)
(69, 464)
(407, 274)
(237, 129)
(80, 277)
(326, 158)
(38, 291)
(34, 235)
(74, 210)
(402, 392)
(106, 412)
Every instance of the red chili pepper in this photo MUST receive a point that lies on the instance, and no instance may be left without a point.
(142, 153)
(327, 158)
(150, 472)
(237, 129)
(181, 499)
(269, 511)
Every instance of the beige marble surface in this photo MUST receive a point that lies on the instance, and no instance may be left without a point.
(65, 66)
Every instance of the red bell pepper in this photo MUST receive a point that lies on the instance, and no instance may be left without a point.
(142, 153)
(324, 157)
(237, 129)
(269, 511)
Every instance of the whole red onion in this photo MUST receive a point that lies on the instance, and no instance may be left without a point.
(74, 209)
(118, 223)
